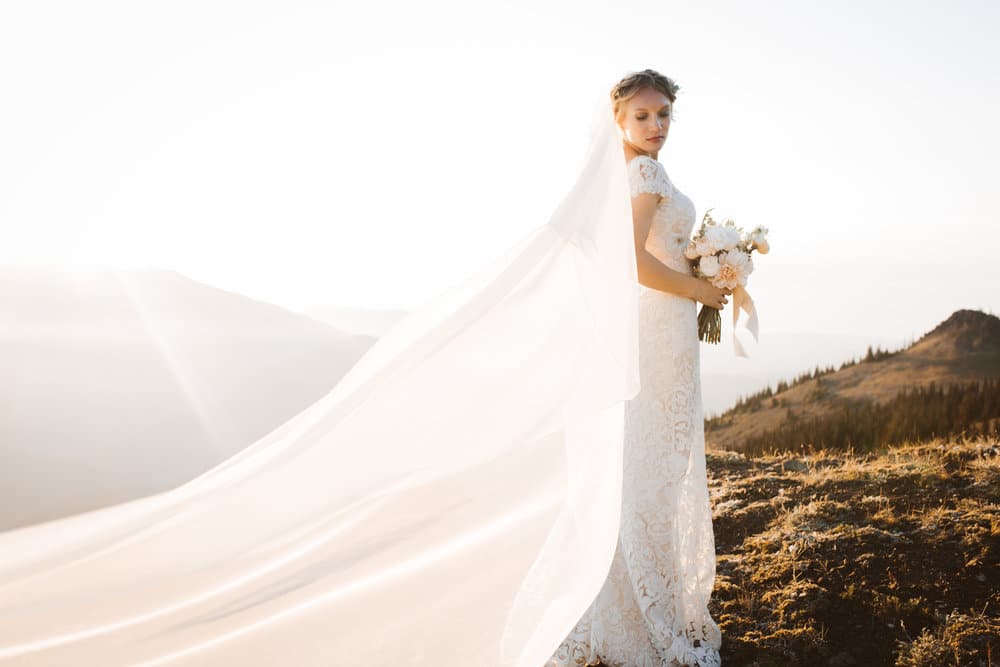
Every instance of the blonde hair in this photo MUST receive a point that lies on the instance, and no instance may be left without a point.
(629, 86)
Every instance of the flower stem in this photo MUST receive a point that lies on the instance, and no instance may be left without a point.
(709, 325)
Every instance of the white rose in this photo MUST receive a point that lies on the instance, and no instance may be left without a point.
(759, 239)
(691, 251)
(704, 246)
(723, 238)
(709, 265)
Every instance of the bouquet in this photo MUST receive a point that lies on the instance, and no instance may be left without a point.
(720, 253)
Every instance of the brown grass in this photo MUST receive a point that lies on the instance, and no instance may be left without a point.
(888, 558)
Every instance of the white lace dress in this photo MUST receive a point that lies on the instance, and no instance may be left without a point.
(652, 610)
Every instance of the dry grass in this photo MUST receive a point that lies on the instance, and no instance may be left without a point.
(837, 558)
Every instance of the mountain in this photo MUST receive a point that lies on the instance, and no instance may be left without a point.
(120, 384)
(964, 347)
(364, 321)
(778, 355)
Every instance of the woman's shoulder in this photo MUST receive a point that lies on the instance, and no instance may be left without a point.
(647, 174)
(643, 156)
(643, 160)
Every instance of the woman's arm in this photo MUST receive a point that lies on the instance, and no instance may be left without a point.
(652, 272)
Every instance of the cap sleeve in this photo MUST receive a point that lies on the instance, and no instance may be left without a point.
(647, 175)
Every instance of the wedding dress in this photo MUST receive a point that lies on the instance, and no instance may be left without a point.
(652, 609)
(453, 500)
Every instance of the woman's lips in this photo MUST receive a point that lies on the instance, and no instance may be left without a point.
(656, 138)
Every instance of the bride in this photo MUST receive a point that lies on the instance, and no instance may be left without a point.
(493, 477)
(652, 607)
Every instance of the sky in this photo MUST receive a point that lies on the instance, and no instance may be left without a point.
(371, 154)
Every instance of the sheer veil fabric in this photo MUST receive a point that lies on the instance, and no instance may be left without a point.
(454, 500)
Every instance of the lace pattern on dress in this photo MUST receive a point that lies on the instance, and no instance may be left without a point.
(648, 175)
(652, 609)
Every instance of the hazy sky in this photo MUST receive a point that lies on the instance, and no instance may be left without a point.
(370, 154)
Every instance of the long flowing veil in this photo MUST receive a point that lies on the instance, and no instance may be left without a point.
(453, 500)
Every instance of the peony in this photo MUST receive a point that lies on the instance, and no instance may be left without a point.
(722, 238)
(733, 268)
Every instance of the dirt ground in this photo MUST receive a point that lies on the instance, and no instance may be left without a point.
(869, 559)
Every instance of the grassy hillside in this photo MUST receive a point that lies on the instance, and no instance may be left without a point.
(939, 384)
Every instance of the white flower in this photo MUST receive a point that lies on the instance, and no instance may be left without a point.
(709, 265)
(691, 251)
(723, 238)
(704, 246)
(758, 237)
(734, 267)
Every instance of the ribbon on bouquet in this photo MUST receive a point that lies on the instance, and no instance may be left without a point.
(742, 301)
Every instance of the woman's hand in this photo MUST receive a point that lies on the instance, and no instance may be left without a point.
(710, 295)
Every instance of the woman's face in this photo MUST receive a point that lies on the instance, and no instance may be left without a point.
(646, 120)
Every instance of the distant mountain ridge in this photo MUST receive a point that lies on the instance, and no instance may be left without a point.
(962, 348)
(50, 301)
(965, 335)
(120, 384)
(365, 321)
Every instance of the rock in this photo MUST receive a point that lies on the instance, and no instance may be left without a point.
(794, 465)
